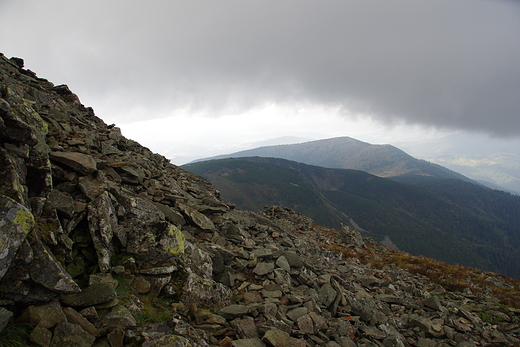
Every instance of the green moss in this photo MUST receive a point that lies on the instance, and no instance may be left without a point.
(123, 286)
(491, 317)
(155, 310)
(440, 296)
(77, 267)
(47, 231)
(43, 125)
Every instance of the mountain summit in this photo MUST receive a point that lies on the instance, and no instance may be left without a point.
(348, 153)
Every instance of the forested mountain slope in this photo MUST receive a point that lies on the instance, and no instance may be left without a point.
(447, 219)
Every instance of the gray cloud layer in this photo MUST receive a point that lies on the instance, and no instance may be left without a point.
(444, 63)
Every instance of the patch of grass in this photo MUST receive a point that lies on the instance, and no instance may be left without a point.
(155, 310)
(491, 317)
(440, 296)
(123, 287)
(15, 335)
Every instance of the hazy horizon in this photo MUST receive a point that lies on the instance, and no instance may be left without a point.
(188, 77)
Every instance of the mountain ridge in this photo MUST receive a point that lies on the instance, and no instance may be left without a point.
(348, 153)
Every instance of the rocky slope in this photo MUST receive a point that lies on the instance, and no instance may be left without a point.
(103, 243)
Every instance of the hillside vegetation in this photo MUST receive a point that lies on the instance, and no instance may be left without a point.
(446, 219)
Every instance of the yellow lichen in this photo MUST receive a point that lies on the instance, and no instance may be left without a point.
(25, 219)
(43, 125)
(178, 236)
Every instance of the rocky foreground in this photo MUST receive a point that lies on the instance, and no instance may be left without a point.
(104, 243)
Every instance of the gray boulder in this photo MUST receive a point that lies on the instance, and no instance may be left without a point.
(79, 162)
(95, 294)
(71, 335)
(44, 269)
(16, 221)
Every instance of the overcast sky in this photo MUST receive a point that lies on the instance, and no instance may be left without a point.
(221, 73)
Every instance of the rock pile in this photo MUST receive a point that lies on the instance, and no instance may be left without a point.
(103, 243)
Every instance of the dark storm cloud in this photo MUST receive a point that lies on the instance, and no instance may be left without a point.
(444, 63)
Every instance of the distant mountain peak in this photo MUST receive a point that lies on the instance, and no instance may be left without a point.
(348, 153)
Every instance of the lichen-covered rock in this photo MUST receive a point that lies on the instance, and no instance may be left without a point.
(276, 338)
(117, 315)
(204, 291)
(93, 185)
(155, 241)
(12, 177)
(198, 260)
(95, 294)
(71, 335)
(326, 295)
(47, 271)
(263, 268)
(248, 342)
(198, 218)
(14, 127)
(16, 221)
(74, 317)
(45, 316)
(351, 237)
(136, 209)
(102, 223)
(171, 341)
(62, 202)
(171, 215)
(41, 336)
(234, 311)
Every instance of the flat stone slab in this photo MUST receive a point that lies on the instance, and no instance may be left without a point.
(262, 269)
(262, 252)
(296, 313)
(251, 342)
(160, 270)
(276, 337)
(80, 162)
(98, 293)
(233, 311)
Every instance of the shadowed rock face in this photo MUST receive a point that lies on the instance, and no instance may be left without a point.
(104, 243)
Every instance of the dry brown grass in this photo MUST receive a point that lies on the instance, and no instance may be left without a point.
(458, 278)
(453, 278)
